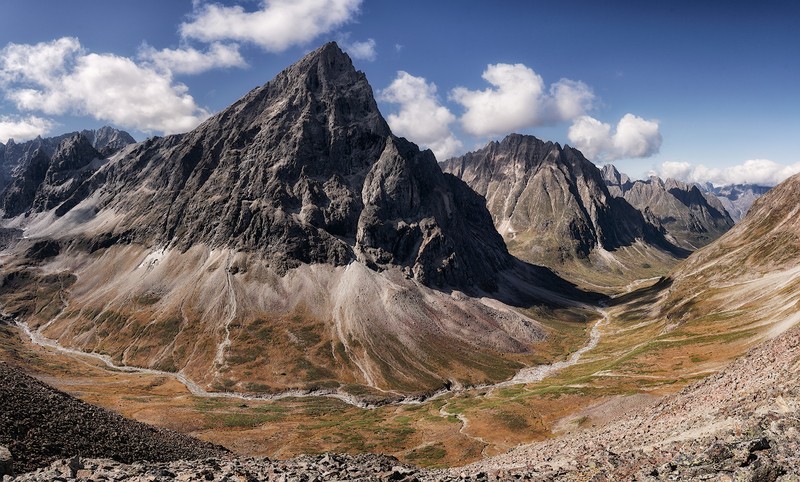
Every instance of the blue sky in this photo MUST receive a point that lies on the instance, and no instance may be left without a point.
(696, 90)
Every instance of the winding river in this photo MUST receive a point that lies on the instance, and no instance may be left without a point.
(526, 375)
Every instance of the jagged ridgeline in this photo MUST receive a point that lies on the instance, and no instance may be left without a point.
(689, 217)
(290, 241)
(553, 208)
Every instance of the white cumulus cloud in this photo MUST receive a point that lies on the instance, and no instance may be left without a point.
(634, 137)
(360, 50)
(60, 77)
(188, 60)
(23, 129)
(753, 171)
(275, 26)
(519, 99)
(421, 118)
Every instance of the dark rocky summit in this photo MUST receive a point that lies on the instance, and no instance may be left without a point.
(40, 424)
(305, 170)
(690, 218)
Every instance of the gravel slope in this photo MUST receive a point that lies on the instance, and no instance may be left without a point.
(40, 424)
(742, 423)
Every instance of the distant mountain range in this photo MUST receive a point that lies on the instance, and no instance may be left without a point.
(16, 156)
(690, 217)
(554, 207)
(736, 198)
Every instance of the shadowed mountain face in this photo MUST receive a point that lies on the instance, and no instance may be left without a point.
(690, 218)
(552, 206)
(289, 242)
(45, 183)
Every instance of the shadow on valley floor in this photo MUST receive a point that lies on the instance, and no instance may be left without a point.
(642, 296)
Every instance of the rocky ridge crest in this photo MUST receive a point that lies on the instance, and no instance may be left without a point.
(15, 157)
(549, 202)
(690, 218)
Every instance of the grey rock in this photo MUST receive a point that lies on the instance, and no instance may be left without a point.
(302, 170)
(65, 173)
(107, 140)
(14, 157)
(690, 218)
(6, 462)
(40, 424)
(18, 197)
(549, 202)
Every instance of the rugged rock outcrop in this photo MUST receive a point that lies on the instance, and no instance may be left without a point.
(363, 468)
(40, 424)
(65, 172)
(18, 197)
(690, 218)
(616, 182)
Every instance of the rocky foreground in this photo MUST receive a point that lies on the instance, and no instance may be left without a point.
(742, 424)
(39, 424)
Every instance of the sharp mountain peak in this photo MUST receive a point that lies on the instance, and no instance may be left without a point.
(305, 169)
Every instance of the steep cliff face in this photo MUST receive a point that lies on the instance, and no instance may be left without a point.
(56, 182)
(18, 197)
(690, 218)
(305, 170)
